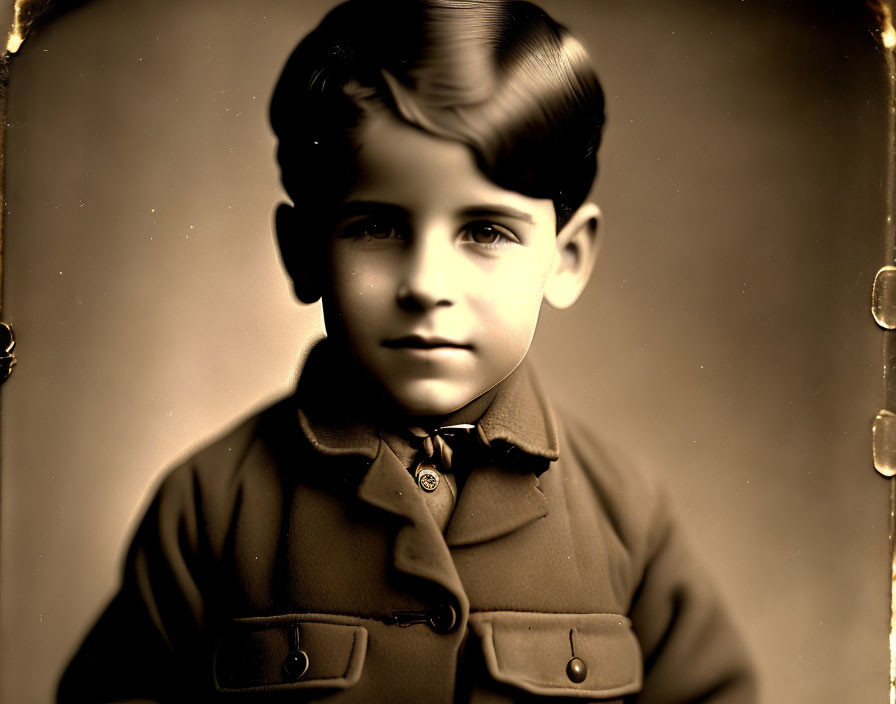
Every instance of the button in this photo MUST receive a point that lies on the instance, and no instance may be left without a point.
(576, 670)
(296, 665)
(442, 618)
(427, 478)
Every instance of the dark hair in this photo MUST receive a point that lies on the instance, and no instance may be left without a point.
(498, 75)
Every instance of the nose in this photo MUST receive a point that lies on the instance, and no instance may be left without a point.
(428, 275)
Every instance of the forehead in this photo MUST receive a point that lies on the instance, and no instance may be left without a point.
(398, 163)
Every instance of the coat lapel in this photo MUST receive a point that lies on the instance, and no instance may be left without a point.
(496, 500)
(419, 548)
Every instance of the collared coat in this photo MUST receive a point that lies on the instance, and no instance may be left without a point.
(294, 559)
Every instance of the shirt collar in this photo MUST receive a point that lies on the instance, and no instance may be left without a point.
(335, 413)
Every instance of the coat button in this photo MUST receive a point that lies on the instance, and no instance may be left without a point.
(427, 478)
(442, 618)
(576, 670)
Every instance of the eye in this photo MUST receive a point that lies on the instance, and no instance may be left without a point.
(374, 228)
(488, 234)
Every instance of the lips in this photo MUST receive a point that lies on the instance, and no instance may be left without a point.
(418, 342)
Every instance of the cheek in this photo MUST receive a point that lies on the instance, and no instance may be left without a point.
(510, 310)
(357, 281)
(353, 304)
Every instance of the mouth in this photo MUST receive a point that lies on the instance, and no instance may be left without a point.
(418, 342)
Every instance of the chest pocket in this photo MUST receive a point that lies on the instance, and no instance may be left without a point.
(291, 652)
(588, 656)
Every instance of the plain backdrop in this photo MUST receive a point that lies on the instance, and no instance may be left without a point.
(725, 342)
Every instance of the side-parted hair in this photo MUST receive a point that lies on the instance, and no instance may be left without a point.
(498, 75)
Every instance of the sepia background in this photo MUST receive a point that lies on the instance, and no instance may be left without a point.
(725, 342)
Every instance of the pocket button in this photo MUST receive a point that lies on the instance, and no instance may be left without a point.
(296, 665)
(576, 670)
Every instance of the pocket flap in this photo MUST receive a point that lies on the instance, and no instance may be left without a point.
(260, 654)
(532, 651)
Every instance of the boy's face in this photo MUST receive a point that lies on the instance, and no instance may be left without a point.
(436, 275)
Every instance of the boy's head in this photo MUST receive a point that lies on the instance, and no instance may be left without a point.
(439, 154)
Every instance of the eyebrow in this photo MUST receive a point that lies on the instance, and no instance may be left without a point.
(486, 211)
(367, 207)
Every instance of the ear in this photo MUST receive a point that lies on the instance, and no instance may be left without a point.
(297, 253)
(576, 251)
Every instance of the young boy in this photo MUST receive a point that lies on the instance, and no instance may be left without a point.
(415, 524)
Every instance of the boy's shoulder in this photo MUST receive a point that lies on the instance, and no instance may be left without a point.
(227, 451)
(272, 447)
(603, 459)
(614, 480)
(212, 478)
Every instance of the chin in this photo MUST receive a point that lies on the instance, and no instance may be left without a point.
(433, 397)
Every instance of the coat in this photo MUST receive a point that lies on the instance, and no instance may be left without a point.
(293, 559)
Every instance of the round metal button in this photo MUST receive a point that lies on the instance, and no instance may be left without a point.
(443, 618)
(576, 670)
(427, 478)
(296, 665)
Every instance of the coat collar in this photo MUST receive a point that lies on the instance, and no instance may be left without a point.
(498, 498)
(331, 407)
(336, 420)
(521, 417)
